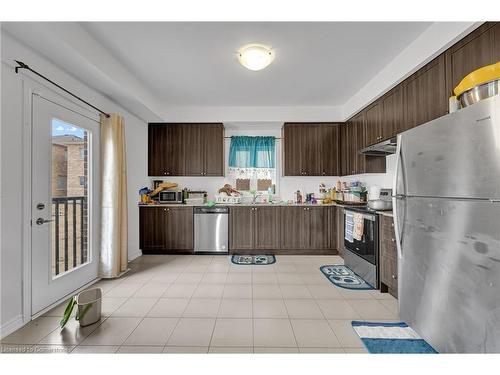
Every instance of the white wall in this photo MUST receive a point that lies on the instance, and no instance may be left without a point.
(285, 186)
(12, 184)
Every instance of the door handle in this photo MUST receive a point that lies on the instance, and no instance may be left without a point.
(41, 221)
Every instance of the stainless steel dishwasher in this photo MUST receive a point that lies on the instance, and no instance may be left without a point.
(211, 229)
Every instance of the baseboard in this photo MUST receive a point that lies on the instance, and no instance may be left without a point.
(12, 325)
(132, 256)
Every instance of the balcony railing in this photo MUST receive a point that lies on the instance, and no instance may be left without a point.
(69, 235)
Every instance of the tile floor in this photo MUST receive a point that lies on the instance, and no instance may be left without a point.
(206, 304)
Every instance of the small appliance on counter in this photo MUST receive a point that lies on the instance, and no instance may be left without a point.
(173, 195)
(381, 203)
(195, 198)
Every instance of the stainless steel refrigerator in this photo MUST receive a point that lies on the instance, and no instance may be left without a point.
(446, 208)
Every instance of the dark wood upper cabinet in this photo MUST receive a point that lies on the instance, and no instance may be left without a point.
(185, 149)
(479, 48)
(393, 113)
(425, 95)
(166, 229)
(373, 123)
(345, 160)
(311, 149)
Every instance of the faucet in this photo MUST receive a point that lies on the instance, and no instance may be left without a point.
(255, 195)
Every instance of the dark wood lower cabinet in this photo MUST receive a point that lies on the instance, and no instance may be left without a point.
(388, 256)
(291, 228)
(340, 230)
(241, 223)
(266, 228)
(166, 229)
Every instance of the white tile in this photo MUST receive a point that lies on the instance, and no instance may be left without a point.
(303, 309)
(337, 309)
(355, 294)
(217, 267)
(289, 278)
(355, 350)
(180, 291)
(140, 349)
(233, 332)
(189, 278)
(240, 268)
(237, 291)
(110, 304)
(268, 308)
(295, 291)
(269, 268)
(186, 349)
(151, 290)
(239, 278)
(33, 332)
(264, 350)
(285, 268)
(372, 309)
(345, 333)
(166, 277)
(391, 305)
(267, 291)
(71, 334)
(95, 349)
(325, 291)
(124, 290)
(168, 308)
(135, 307)
(314, 279)
(113, 331)
(196, 268)
(235, 308)
(321, 350)
(273, 333)
(264, 278)
(192, 332)
(202, 308)
(209, 291)
(152, 331)
(314, 334)
(214, 278)
(231, 350)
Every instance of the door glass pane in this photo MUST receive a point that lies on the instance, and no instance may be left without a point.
(70, 187)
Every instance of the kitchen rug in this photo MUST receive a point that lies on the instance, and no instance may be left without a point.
(342, 276)
(391, 338)
(253, 259)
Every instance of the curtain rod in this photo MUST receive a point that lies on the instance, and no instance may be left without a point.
(255, 136)
(22, 65)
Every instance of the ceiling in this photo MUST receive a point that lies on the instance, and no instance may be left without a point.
(195, 64)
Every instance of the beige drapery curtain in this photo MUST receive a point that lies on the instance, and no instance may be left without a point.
(114, 235)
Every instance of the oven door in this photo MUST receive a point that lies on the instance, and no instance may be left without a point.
(366, 245)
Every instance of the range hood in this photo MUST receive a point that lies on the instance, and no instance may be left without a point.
(383, 148)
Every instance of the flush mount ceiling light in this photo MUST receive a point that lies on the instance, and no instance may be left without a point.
(255, 56)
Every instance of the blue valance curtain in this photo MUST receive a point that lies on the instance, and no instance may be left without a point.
(252, 152)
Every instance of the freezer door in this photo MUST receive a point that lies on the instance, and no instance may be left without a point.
(457, 155)
(449, 274)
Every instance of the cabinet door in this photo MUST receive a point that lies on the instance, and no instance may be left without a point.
(345, 167)
(180, 231)
(310, 159)
(292, 228)
(340, 231)
(351, 147)
(213, 136)
(153, 228)
(292, 150)
(317, 227)
(393, 114)
(241, 228)
(426, 97)
(266, 228)
(329, 145)
(332, 226)
(373, 124)
(194, 163)
(476, 50)
(389, 273)
(358, 143)
(157, 138)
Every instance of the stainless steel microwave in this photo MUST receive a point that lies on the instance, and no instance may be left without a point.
(170, 196)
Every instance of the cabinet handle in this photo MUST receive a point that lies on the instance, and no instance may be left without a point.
(392, 225)
(305, 209)
(392, 240)
(164, 209)
(394, 277)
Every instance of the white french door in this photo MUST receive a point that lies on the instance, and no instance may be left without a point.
(64, 207)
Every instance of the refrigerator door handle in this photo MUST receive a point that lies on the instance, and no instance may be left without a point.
(397, 197)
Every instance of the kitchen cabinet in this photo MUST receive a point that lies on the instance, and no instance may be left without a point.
(254, 228)
(166, 229)
(425, 94)
(393, 113)
(479, 48)
(373, 124)
(185, 149)
(291, 227)
(345, 160)
(311, 149)
(388, 256)
(339, 211)
(165, 150)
